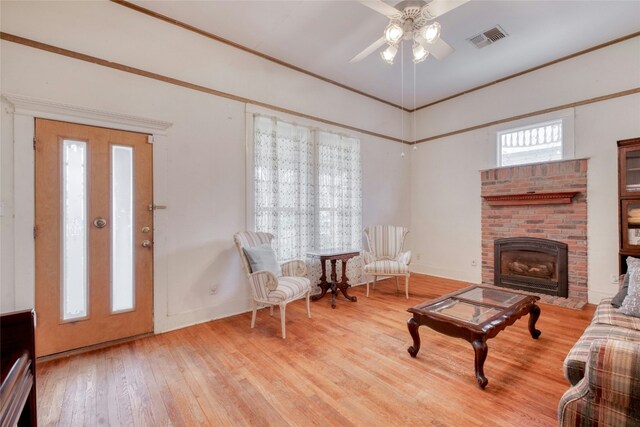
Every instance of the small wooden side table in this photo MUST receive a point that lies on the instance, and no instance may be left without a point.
(333, 256)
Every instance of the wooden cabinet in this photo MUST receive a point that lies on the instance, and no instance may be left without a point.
(629, 199)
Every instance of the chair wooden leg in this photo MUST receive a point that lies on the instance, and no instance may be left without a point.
(397, 286)
(406, 285)
(253, 315)
(367, 278)
(283, 307)
(309, 304)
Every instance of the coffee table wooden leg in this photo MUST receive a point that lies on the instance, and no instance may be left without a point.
(481, 350)
(534, 314)
(413, 330)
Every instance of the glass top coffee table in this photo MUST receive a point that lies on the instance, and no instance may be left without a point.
(475, 314)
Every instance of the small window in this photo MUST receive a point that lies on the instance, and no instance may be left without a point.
(541, 142)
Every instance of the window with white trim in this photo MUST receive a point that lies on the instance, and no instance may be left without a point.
(541, 142)
(306, 187)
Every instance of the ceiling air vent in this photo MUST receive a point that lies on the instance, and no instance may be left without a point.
(488, 37)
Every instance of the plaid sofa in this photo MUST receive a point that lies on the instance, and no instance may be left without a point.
(603, 368)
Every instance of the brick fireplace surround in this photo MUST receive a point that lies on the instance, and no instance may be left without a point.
(566, 223)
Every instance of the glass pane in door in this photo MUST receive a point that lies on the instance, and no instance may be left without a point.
(633, 222)
(122, 254)
(633, 170)
(74, 226)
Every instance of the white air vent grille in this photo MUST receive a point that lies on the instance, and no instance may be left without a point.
(488, 37)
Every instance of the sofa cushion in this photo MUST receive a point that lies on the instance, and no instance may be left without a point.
(622, 293)
(631, 303)
(607, 314)
(575, 361)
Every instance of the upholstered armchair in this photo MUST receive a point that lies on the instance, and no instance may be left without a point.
(609, 393)
(385, 256)
(268, 287)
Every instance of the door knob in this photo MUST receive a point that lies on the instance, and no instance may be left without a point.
(100, 222)
(146, 243)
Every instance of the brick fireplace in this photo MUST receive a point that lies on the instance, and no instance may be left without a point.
(543, 201)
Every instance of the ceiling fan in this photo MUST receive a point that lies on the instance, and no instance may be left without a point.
(411, 20)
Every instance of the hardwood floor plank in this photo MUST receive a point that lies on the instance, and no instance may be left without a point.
(347, 366)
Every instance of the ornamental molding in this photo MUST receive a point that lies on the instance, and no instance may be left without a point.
(557, 198)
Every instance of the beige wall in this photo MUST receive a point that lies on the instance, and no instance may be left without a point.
(199, 164)
(445, 209)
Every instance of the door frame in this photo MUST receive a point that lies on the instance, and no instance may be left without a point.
(25, 110)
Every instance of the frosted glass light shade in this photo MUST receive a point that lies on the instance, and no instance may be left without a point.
(431, 33)
(419, 53)
(389, 53)
(393, 33)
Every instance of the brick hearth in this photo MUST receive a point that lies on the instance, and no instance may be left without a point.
(566, 223)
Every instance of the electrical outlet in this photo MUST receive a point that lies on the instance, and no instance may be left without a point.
(614, 279)
(418, 256)
(474, 263)
(213, 289)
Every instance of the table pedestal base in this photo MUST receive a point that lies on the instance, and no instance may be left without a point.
(334, 286)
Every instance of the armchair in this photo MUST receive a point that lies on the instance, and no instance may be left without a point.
(385, 256)
(267, 288)
(609, 393)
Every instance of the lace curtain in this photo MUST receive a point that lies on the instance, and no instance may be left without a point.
(307, 188)
(284, 185)
(339, 192)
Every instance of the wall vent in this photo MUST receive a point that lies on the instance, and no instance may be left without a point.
(488, 37)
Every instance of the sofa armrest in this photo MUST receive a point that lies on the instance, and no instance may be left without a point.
(613, 372)
(609, 393)
(295, 267)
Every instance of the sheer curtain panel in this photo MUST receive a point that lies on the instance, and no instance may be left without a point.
(284, 185)
(339, 192)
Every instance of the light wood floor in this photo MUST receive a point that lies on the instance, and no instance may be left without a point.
(347, 366)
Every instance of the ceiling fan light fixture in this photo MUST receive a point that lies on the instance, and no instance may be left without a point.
(389, 53)
(431, 32)
(419, 53)
(393, 33)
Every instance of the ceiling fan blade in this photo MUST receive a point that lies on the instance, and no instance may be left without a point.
(381, 7)
(439, 49)
(369, 50)
(440, 7)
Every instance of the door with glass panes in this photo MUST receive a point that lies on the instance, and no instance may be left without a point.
(93, 235)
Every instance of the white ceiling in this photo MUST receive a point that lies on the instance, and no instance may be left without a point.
(321, 37)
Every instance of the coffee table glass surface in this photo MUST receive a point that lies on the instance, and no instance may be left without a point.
(491, 296)
(464, 311)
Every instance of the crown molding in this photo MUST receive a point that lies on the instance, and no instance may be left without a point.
(43, 108)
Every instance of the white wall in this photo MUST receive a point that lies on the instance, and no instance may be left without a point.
(199, 165)
(446, 224)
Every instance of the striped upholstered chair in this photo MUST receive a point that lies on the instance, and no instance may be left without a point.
(609, 393)
(385, 256)
(268, 289)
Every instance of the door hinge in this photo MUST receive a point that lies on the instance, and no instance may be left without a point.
(35, 231)
(150, 139)
(34, 142)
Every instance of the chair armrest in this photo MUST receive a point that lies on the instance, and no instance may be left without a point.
(404, 258)
(368, 257)
(263, 282)
(294, 267)
(612, 372)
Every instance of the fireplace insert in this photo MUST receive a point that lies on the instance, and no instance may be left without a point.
(531, 264)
